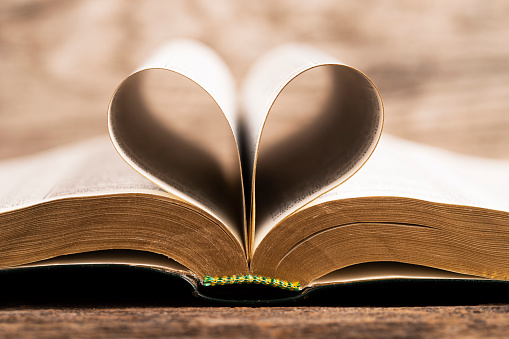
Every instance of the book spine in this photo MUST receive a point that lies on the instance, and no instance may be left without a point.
(251, 279)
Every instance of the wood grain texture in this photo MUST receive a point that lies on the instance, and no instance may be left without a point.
(318, 322)
(442, 68)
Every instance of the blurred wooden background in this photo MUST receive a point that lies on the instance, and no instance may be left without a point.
(442, 67)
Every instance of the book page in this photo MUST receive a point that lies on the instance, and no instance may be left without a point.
(410, 203)
(308, 153)
(401, 168)
(387, 270)
(174, 121)
(114, 257)
(85, 197)
(89, 168)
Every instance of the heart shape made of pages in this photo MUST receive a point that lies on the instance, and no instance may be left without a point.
(176, 121)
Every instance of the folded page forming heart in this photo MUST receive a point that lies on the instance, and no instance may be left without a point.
(178, 122)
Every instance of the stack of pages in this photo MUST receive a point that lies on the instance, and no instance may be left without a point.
(223, 186)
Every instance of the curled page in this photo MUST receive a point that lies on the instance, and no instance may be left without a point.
(172, 121)
(320, 153)
(175, 121)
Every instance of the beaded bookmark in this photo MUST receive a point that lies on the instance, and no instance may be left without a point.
(251, 279)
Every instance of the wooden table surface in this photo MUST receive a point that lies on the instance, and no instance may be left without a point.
(442, 69)
(286, 322)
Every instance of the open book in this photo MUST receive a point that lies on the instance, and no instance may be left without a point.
(200, 191)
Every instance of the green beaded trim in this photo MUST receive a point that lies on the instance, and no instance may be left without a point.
(251, 279)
